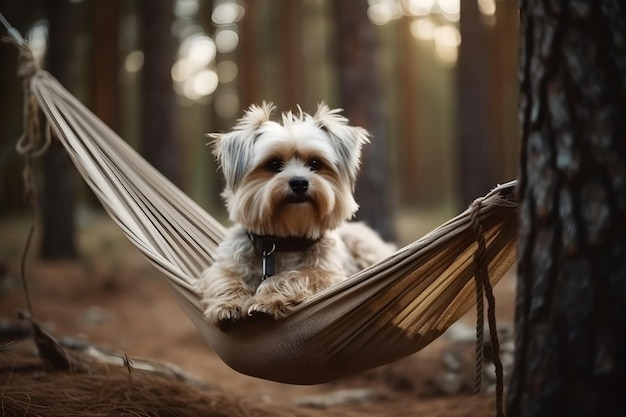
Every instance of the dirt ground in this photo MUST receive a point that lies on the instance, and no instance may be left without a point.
(113, 298)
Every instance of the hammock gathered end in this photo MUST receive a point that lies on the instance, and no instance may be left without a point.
(387, 311)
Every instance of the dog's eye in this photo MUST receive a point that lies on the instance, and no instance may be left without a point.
(274, 165)
(315, 164)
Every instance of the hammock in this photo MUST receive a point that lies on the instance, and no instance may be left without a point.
(390, 310)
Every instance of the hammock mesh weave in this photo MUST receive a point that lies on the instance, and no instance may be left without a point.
(388, 311)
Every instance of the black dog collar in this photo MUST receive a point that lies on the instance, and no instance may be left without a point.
(267, 246)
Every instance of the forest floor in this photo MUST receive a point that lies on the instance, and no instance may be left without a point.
(113, 298)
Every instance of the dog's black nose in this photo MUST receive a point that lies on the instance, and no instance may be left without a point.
(299, 185)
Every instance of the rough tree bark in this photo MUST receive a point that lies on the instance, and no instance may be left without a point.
(571, 303)
(57, 197)
(362, 101)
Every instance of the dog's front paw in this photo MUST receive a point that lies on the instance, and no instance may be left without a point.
(222, 296)
(274, 307)
(223, 314)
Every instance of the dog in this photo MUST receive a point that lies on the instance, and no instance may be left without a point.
(289, 192)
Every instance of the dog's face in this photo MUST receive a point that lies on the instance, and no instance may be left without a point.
(294, 178)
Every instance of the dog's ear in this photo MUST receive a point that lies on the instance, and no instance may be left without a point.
(347, 140)
(233, 149)
(255, 116)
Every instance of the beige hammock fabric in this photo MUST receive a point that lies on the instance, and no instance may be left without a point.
(381, 314)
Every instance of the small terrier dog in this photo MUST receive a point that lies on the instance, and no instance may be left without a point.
(289, 191)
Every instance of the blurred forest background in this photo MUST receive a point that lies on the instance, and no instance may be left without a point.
(435, 82)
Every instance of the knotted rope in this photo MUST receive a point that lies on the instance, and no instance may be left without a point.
(485, 290)
(31, 145)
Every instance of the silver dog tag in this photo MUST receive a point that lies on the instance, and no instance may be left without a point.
(268, 264)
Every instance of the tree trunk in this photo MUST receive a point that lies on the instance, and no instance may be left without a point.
(503, 90)
(248, 61)
(570, 309)
(158, 98)
(362, 101)
(11, 182)
(290, 57)
(105, 62)
(409, 140)
(57, 197)
(475, 169)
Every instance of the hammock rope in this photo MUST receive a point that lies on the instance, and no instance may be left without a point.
(385, 312)
(479, 278)
(485, 290)
(29, 147)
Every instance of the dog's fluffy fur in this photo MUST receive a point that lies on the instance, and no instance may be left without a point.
(290, 179)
